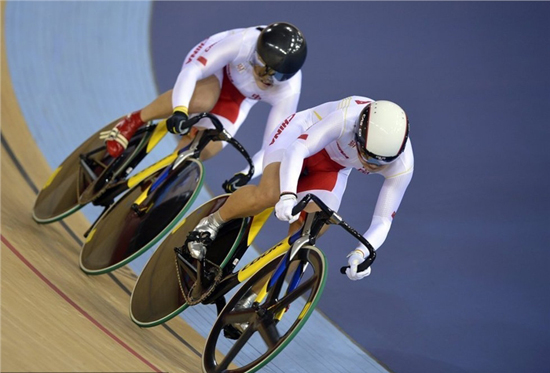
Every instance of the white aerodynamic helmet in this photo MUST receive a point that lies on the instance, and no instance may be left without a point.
(382, 132)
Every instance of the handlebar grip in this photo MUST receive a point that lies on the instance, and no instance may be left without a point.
(335, 219)
(361, 267)
(301, 205)
(311, 197)
(192, 121)
(235, 182)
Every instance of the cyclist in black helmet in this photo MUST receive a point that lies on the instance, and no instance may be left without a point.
(226, 74)
(282, 48)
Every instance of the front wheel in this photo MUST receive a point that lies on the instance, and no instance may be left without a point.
(266, 323)
(122, 234)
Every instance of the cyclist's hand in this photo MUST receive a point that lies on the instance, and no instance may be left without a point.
(355, 258)
(237, 181)
(177, 123)
(283, 208)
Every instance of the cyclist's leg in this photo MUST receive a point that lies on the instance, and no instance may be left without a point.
(222, 110)
(251, 199)
(208, 152)
(204, 98)
(231, 107)
(160, 107)
(331, 194)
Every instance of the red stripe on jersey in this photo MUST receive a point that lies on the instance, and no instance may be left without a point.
(195, 52)
(202, 60)
(281, 129)
(319, 172)
(230, 100)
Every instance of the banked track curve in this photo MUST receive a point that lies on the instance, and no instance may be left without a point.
(54, 317)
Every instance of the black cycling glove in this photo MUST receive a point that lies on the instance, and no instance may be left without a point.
(178, 123)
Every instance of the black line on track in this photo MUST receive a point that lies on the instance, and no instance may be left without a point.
(18, 165)
(31, 184)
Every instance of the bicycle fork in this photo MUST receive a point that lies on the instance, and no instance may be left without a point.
(303, 237)
(169, 163)
(275, 282)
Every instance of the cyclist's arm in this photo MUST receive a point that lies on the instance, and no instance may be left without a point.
(279, 111)
(201, 65)
(390, 197)
(312, 141)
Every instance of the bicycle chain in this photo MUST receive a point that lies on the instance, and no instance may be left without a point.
(205, 295)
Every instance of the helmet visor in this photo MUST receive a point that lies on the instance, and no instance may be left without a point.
(282, 76)
(370, 159)
(256, 60)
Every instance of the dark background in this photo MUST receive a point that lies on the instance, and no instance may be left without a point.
(462, 282)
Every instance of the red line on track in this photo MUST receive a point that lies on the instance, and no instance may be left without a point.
(76, 306)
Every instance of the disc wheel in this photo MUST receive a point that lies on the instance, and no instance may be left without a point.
(270, 324)
(157, 295)
(63, 193)
(123, 234)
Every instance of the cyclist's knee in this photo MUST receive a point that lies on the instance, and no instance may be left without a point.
(271, 197)
(206, 94)
(264, 197)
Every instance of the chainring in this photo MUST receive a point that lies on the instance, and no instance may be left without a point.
(187, 296)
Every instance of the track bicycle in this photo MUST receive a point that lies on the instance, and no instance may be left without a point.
(152, 207)
(152, 201)
(269, 309)
(172, 280)
(163, 289)
(90, 175)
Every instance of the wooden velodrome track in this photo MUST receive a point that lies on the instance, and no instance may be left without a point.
(461, 288)
(54, 317)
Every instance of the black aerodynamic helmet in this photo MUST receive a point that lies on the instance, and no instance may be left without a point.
(283, 49)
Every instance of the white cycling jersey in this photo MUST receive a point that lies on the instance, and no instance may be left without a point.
(228, 55)
(317, 151)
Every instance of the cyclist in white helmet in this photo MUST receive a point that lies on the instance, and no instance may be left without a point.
(227, 74)
(314, 151)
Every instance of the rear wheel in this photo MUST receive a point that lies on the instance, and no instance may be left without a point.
(71, 186)
(122, 234)
(157, 296)
(268, 325)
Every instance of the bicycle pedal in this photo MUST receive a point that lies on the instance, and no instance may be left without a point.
(202, 237)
